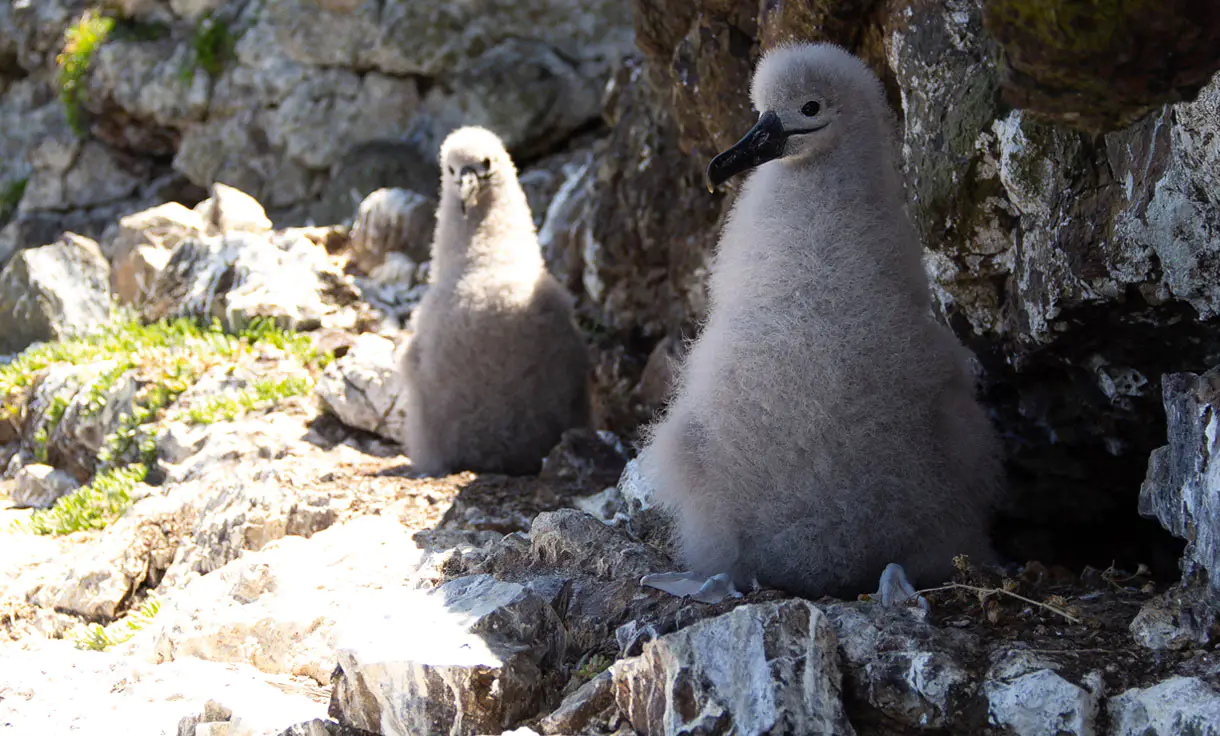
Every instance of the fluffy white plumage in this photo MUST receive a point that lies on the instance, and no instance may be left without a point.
(825, 423)
(495, 370)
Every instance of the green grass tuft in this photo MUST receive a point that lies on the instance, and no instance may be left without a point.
(81, 42)
(10, 198)
(95, 506)
(166, 358)
(53, 416)
(98, 638)
(212, 45)
(263, 392)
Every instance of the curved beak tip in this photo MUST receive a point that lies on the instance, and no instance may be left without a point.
(762, 143)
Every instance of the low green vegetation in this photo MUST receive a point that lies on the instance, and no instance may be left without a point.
(129, 29)
(261, 393)
(10, 198)
(592, 665)
(54, 415)
(81, 42)
(165, 359)
(98, 638)
(212, 45)
(95, 506)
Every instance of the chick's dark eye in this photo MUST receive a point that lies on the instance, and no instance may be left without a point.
(811, 108)
(487, 164)
(451, 171)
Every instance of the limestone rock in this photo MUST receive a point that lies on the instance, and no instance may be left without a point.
(907, 671)
(1177, 705)
(1182, 489)
(53, 687)
(95, 581)
(392, 221)
(143, 246)
(362, 387)
(52, 292)
(474, 656)
(581, 706)
(40, 486)
(245, 477)
(1181, 618)
(229, 209)
(761, 668)
(1029, 697)
(276, 609)
(284, 276)
(514, 76)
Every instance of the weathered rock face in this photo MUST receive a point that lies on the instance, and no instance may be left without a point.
(363, 388)
(40, 486)
(53, 291)
(1076, 267)
(1100, 66)
(474, 656)
(300, 104)
(1182, 488)
(762, 668)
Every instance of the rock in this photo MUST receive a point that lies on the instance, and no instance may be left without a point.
(1181, 490)
(96, 581)
(229, 209)
(74, 408)
(55, 688)
(1180, 618)
(143, 246)
(907, 671)
(194, 9)
(514, 76)
(1101, 69)
(476, 655)
(761, 668)
(40, 486)
(1027, 697)
(1176, 706)
(1180, 219)
(362, 387)
(285, 277)
(579, 542)
(52, 292)
(585, 459)
(247, 480)
(576, 710)
(392, 221)
(135, 272)
(276, 609)
(68, 174)
(345, 34)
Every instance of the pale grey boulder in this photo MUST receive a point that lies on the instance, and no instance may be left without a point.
(52, 292)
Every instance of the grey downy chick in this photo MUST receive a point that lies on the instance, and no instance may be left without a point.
(825, 424)
(496, 369)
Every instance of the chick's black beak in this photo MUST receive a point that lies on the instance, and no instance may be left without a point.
(764, 142)
(468, 186)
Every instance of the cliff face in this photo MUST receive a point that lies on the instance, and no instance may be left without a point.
(305, 105)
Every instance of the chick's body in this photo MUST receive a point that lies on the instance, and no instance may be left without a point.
(495, 370)
(825, 423)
